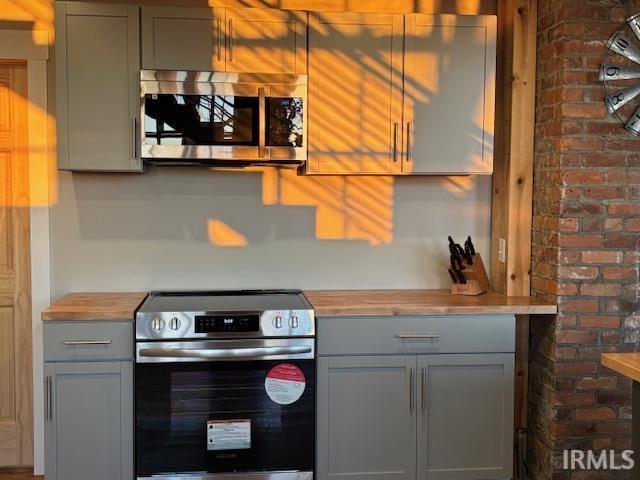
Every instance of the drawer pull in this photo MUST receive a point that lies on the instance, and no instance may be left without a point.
(87, 342)
(404, 336)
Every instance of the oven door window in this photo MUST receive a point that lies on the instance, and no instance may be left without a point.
(172, 119)
(179, 404)
(286, 117)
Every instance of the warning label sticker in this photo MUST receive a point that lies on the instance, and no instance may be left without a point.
(228, 434)
(285, 384)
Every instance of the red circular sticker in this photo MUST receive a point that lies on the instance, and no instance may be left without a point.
(285, 384)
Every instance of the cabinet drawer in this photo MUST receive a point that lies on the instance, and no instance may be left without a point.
(72, 341)
(416, 335)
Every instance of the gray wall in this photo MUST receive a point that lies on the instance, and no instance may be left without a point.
(112, 232)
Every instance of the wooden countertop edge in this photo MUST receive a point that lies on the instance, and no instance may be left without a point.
(440, 310)
(627, 364)
(95, 306)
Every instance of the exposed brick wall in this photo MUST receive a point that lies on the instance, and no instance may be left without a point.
(586, 238)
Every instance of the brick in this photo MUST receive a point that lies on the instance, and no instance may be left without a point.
(600, 289)
(599, 321)
(576, 336)
(623, 209)
(577, 368)
(579, 177)
(597, 383)
(613, 428)
(632, 225)
(603, 193)
(601, 256)
(613, 224)
(617, 397)
(574, 398)
(603, 159)
(583, 110)
(619, 273)
(581, 305)
(566, 240)
(579, 144)
(595, 414)
(578, 273)
(621, 240)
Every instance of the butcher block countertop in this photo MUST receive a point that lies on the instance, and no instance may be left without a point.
(326, 303)
(628, 364)
(353, 303)
(95, 306)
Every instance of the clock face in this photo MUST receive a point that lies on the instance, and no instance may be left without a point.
(620, 74)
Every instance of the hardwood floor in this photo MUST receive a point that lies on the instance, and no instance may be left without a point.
(18, 474)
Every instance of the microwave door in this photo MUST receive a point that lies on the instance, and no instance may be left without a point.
(202, 121)
(287, 122)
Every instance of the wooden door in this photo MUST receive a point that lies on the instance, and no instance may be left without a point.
(465, 424)
(366, 418)
(16, 404)
(449, 88)
(182, 38)
(355, 93)
(98, 86)
(89, 420)
(266, 41)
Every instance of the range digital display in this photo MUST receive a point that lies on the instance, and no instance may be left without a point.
(227, 323)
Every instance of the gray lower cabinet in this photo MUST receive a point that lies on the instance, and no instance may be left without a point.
(97, 60)
(423, 398)
(88, 404)
(366, 426)
(465, 420)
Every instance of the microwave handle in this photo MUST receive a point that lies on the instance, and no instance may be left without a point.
(262, 122)
(223, 353)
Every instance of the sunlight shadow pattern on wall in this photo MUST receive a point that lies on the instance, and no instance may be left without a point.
(222, 235)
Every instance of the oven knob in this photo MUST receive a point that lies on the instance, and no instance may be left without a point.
(294, 322)
(277, 321)
(174, 323)
(157, 324)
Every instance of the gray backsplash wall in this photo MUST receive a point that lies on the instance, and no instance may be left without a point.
(112, 232)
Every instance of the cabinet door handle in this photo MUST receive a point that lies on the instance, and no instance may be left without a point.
(48, 406)
(230, 36)
(409, 134)
(411, 393)
(87, 342)
(219, 29)
(262, 122)
(395, 141)
(134, 143)
(424, 389)
(405, 336)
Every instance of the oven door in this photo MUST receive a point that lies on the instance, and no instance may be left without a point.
(213, 408)
(198, 121)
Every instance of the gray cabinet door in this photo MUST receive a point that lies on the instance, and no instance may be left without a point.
(97, 86)
(366, 418)
(182, 38)
(465, 425)
(260, 40)
(89, 421)
(355, 93)
(449, 81)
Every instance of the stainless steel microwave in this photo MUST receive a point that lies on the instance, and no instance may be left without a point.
(217, 118)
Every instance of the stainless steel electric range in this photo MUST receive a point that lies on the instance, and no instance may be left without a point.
(225, 386)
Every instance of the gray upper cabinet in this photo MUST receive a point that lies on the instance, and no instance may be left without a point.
(97, 86)
(181, 38)
(466, 417)
(88, 385)
(450, 63)
(366, 418)
(249, 40)
(355, 93)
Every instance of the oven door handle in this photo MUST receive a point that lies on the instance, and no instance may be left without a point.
(223, 353)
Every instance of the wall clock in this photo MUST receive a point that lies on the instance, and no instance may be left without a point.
(620, 74)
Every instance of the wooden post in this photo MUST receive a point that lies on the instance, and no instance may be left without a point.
(513, 178)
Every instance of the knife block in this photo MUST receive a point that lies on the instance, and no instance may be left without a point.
(476, 276)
